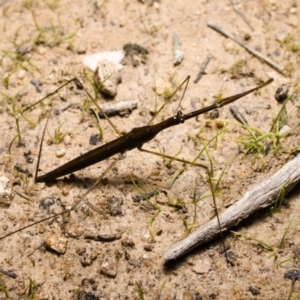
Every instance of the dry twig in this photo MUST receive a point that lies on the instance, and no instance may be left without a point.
(249, 49)
(241, 14)
(262, 195)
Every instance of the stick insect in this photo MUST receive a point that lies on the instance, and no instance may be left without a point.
(135, 138)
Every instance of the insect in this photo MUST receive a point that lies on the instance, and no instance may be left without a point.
(136, 138)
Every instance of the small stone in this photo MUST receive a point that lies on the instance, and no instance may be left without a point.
(88, 257)
(202, 266)
(58, 244)
(187, 296)
(106, 77)
(41, 50)
(229, 46)
(67, 140)
(47, 202)
(127, 242)
(61, 152)
(6, 192)
(254, 291)
(280, 37)
(22, 74)
(292, 274)
(282, 93)
(81, 48)
(148, 247)
(109, 266)
(285, 130)
(73, 230)
(219, 124)
(115, 205)
(214, 114)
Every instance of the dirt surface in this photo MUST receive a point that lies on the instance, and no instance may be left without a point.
(43, 42)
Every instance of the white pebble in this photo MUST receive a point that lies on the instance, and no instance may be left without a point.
(22, 74)
(61, 152)
(6, 192)
(67, 140)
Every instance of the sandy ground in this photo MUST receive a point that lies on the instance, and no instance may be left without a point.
(44, 42)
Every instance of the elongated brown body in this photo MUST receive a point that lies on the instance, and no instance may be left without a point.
(135, 139)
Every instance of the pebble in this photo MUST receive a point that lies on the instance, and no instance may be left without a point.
(88, 257)
(127, 242)
(73, 230)
(107, 77)
(58, 244)
(115, 205)
(67, 140)
(202, 266)
(285, 130)
(109, 266)
(187, 296)
(6, 192)
(22, 74)
(282, 93)
(41, 50)
(61, 152)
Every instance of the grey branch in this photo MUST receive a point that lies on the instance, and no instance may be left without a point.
(249, 49)
(262, 195)
(120, 107)
(242, 15)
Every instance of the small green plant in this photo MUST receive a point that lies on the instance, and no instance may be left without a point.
(32, 289)
(151, 30)
(290, 43)
(52, 36)
(4, 289)
(260, 142)
(139, 290)
(58, 136)
(237, 69)
(17, 113)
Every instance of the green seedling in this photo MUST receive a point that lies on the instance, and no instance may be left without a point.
(98, 124)
(32, 289)
(17, 114)
(139, 290)
(151, 30)
(278, 201)
(58, 136)
(260, 142)
(286, 231)
(51, 37)
(236, 70)
(4, 289)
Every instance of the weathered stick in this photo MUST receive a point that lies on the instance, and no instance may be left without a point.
(242, 15)
(262, 195)
(120, 107)
(249, 49)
